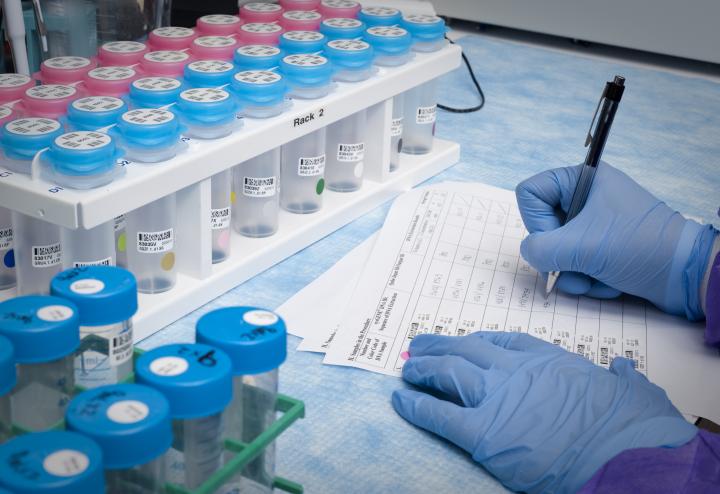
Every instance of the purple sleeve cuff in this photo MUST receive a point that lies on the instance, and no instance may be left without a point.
(712, 305)
(691, 468)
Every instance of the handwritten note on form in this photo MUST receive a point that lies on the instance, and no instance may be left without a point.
(448, 262)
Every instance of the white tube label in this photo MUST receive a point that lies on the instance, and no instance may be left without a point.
(311, 167)
(121, 347)
(46, 256)
(66, 463)
(220, 218)
(155, 242)
(259, 187)
(396, 129)
(100, 262)
(351, 153)
(6, 238)
(426, 115)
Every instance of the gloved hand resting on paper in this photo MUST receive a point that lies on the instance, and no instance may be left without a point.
(624, 240)
(537, 417)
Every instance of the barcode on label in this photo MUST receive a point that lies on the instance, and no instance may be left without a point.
(259, 187)
(155, 242)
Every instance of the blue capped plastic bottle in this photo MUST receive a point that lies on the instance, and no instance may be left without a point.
(352, 59)
(256, 342)
(293, 42)
(208, 73)
(342, 28)
(22, 138)
(392, 45)
(261, 93)
(53, 462)
(309, 76)
(82, 159)
(196, 379)
(380, 16)
(154, 92)
(150, 135)
(106, 298)
(95, 112)
(257, 57)
(208, 113)
(131, 424)
(44, 333)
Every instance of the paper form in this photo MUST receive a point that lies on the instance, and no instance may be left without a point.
(448, 262)
(315, 311)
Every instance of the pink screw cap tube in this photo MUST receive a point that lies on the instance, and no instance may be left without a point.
(217, 25)
(171, 38)
(6, 114)
(301, 20)
(332, 9)
(109, 81)
(214, 48)
(49, 100)
(300, 4)
(256, 33)
(121, 53)
(168, 63)
(65, 70)
(13, 86)
(261, 12)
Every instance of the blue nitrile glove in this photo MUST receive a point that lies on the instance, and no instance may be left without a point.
(538, 418)
(624, 238)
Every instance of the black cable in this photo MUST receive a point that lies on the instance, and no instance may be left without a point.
(477, 86)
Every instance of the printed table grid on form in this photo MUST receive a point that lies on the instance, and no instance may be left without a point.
(470, 277)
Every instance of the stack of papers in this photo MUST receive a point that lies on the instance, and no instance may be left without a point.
(447, 261)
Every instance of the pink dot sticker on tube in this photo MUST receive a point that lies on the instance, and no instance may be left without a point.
(65, 70)
(301, 20)
(261, 12)
(300, 4)
(171, 38)
(48, 100)
(405, 355)
(109, 81)
(259, 33)
(164, 63)
(121, 53)
(333, 9)
(214, 48)
(13, 86)
(217, 25)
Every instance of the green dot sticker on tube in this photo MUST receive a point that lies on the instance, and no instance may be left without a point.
(122, 242)
(320, 187)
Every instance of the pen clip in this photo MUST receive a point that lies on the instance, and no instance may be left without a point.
(589, 137)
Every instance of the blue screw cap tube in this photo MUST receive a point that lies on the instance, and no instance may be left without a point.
(83, 159)
(208, 113)
(195, 378)
(342, 28)
(380, 16)
(130, 423)
(53, 462)
(154, 92)
(41, 328)
(257, 57)
(197, 381)
(150, 135)
(260, 92)
(309, 76)
(208, 73)
(21, 139)
(353, 59)
(44, 333)
(293, 42)
(106, 297)
(256, 341)
(392, 44)
(427, 31)
(94, 112)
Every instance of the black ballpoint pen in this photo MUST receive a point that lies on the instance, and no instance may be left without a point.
(605, 113)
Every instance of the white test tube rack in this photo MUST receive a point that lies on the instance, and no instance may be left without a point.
(188, 174)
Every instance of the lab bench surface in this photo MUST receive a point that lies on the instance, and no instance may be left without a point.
(539, 105)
